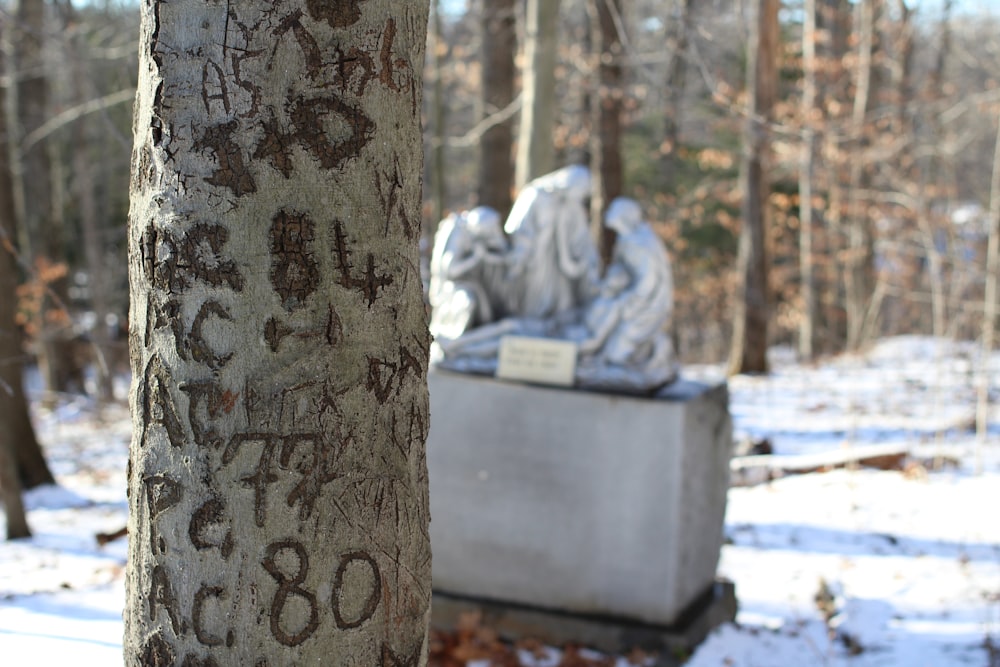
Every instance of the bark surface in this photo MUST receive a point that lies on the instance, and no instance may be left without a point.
(278, 339)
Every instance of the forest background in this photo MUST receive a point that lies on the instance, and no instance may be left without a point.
(823, 173)
(851, 145)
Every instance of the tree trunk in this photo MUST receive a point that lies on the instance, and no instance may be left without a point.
(32, 468)
(859, 270)
(832, 87)
(606, 156)
(10, 485)
(916, 167)
(439, 113)
(807, 324)
(84, 189)
(59, 368)
(989, 310)
(748, 353)
(15, 424)
(535, 150)
(499, 44)
(937, 169)
(97, 267)
(278, 339)
(676, 80)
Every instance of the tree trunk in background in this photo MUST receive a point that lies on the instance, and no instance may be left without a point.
(676, 80)
(859, 279)
(535, 149)
(605, 155)
(499, 45)
(748, 353)
(439, 180)
(940, 167)
(13, 407)
(278, 338)
(917, 168)
(988, 333)
(84, 189)
(15, 424)
(32, 468)
(810, 115)
(59, 368)
(832, 84)
(10, 485)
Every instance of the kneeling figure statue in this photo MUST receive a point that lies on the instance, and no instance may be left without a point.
(542, 280)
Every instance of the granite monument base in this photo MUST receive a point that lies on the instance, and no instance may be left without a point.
(574, 503)
(673, 643)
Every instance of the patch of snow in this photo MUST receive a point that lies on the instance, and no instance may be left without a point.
(52, 496)
(911, 559)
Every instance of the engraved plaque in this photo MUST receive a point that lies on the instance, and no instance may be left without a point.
(542, 360)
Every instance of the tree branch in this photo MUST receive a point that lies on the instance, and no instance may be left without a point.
(472, 137)
(73, 113)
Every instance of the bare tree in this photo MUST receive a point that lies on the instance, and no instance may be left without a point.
(499, 45)
(859, 267)
(535, 150)
(278, 337)
(675, 85)
(83, 192)
(989, 308)
(748, 353)
(28, 460)
(833, 27)
(439, 113)
(807, 323)
(15, 424)
(606, 123)
(33, 176)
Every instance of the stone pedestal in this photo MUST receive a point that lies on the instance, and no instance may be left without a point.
(608, 634)
(578, 503)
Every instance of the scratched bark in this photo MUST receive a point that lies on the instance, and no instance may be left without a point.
(277, 478)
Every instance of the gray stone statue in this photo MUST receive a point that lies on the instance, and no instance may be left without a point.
(542, 282)
(467, 264)
(630, 347)
(553, 262)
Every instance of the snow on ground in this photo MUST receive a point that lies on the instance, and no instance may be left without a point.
(912, 564)
(853, 567)
(60, 594)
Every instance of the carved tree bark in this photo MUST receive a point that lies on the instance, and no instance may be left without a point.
(496, 164)
(535, 150)
(278, 339)
(748, 353)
